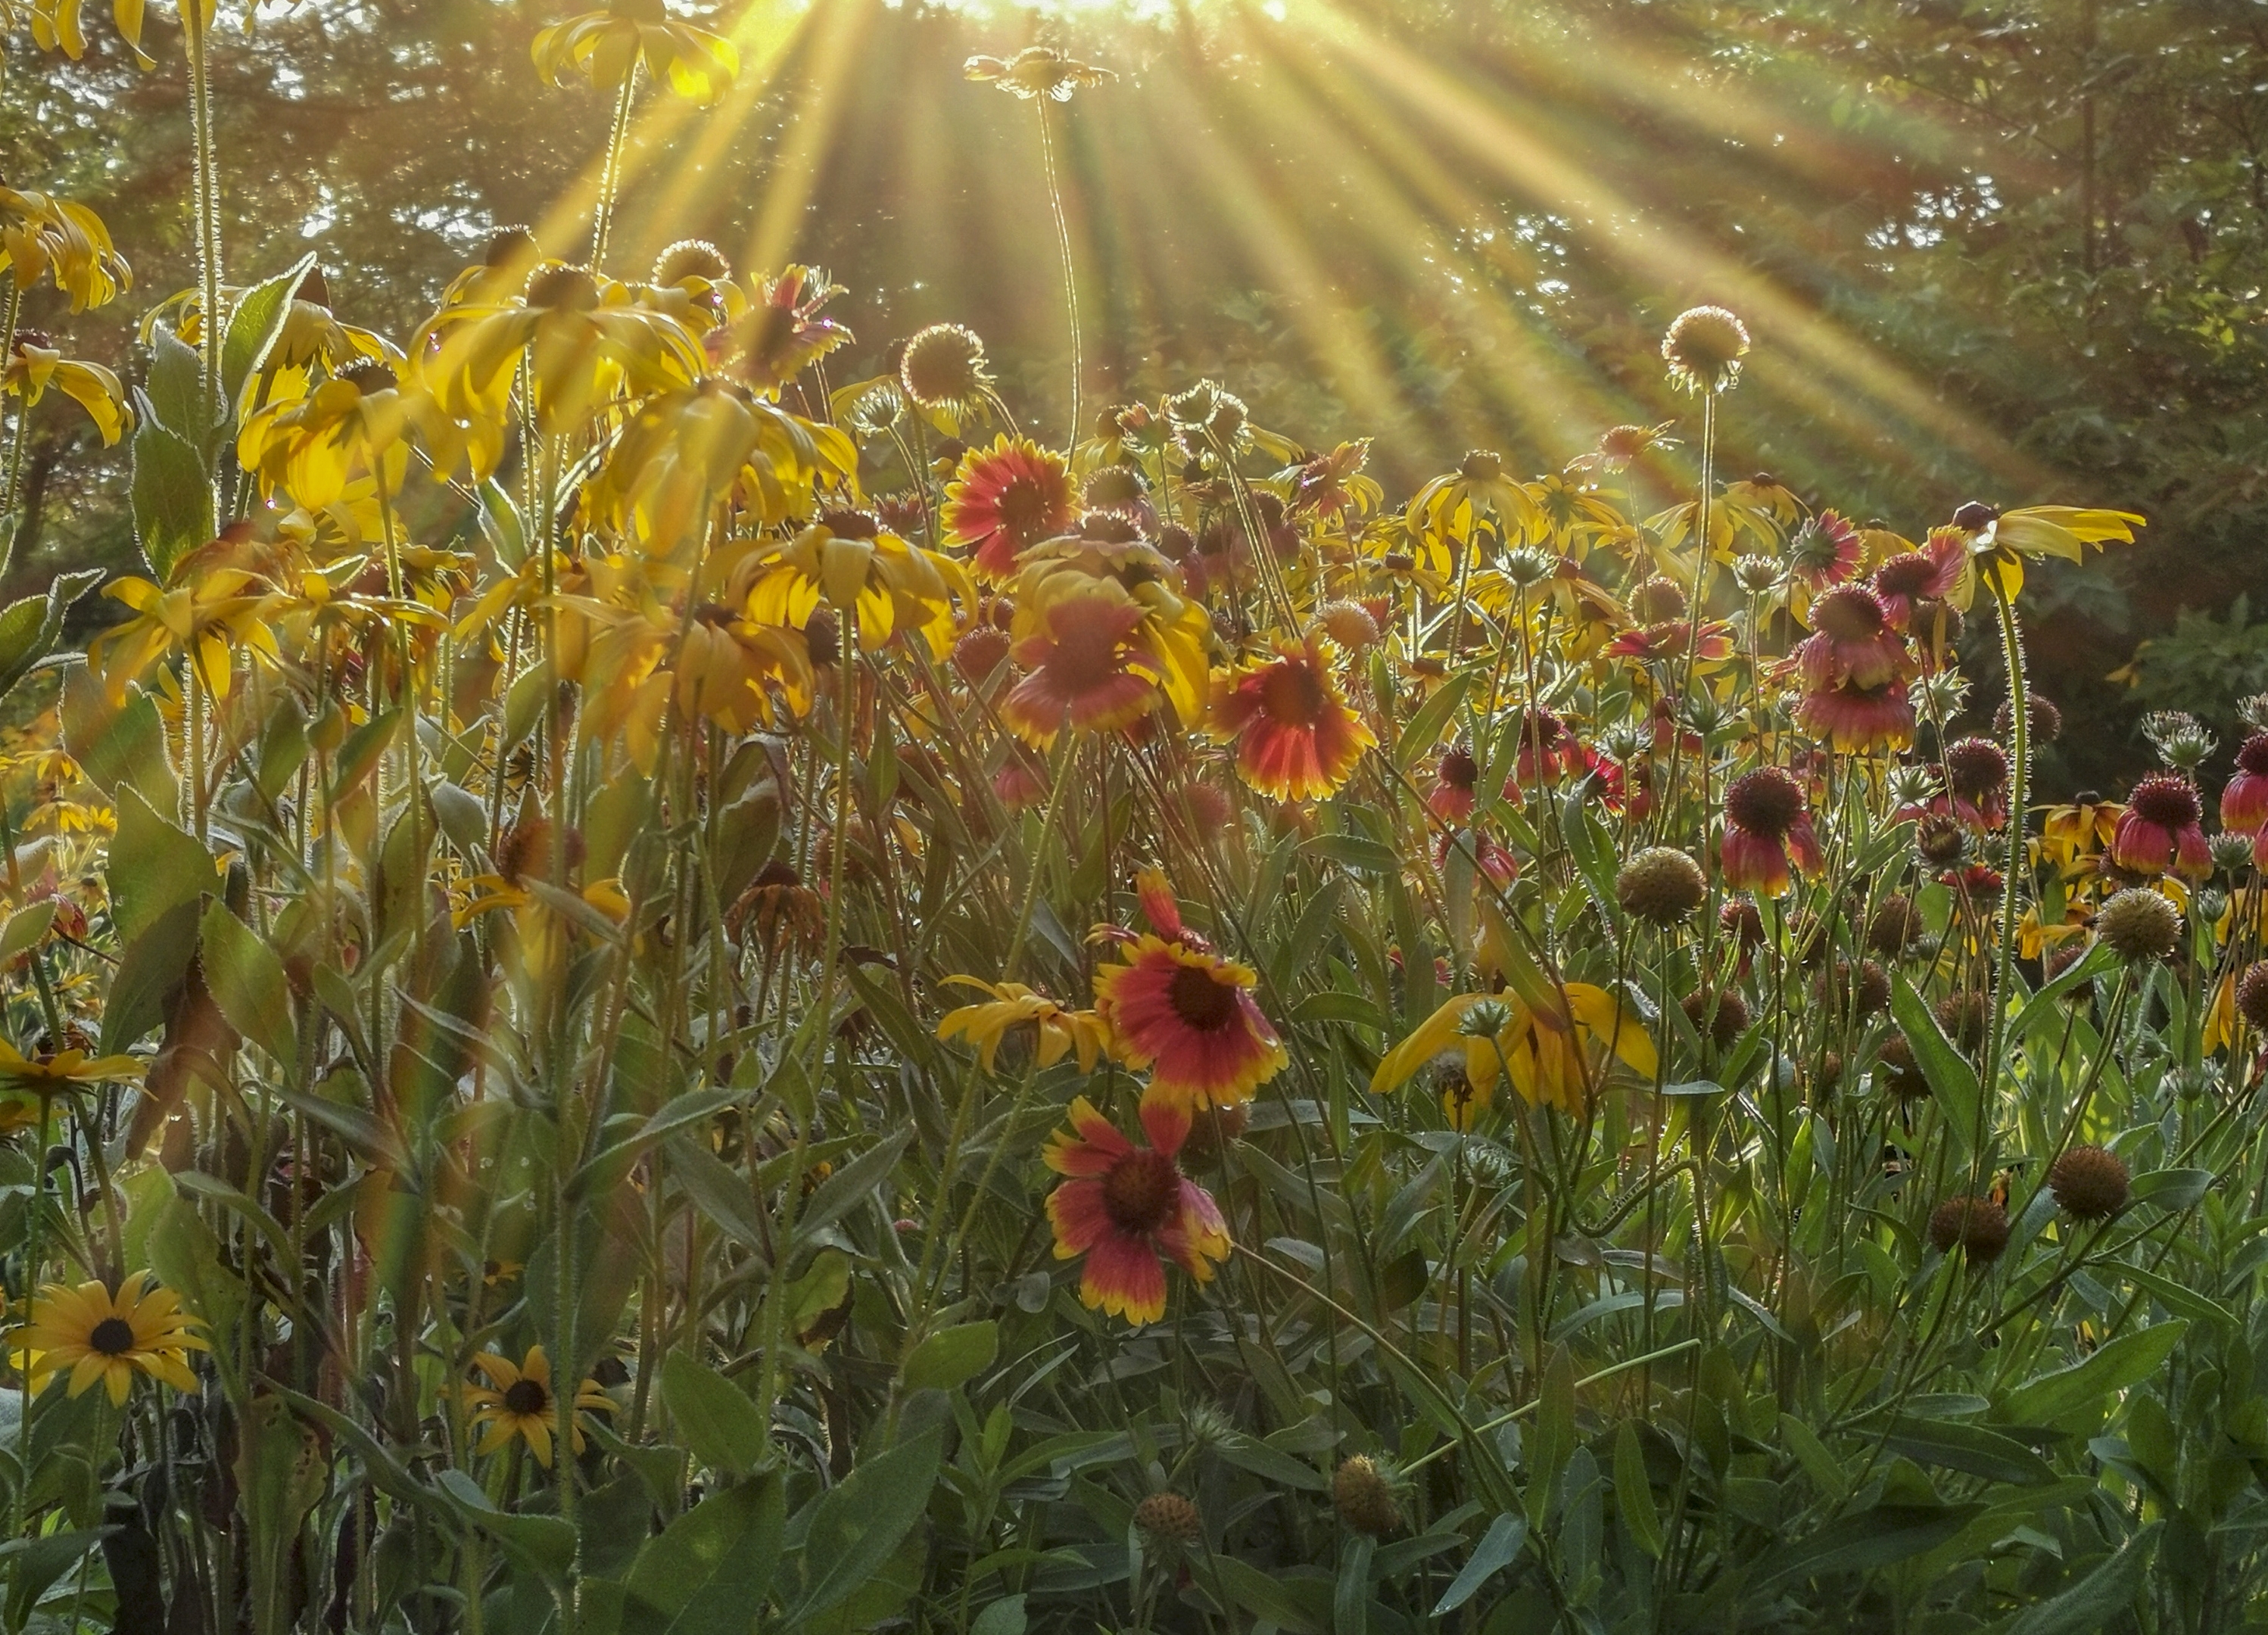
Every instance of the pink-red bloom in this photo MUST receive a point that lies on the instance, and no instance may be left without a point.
(1089, 668)
(1912, 581)
(1188, 1016)
(2162, 828)
(2244, 797)
(1767, 828)
(1826, 551)
(1130, 1208)
(1852, 642)
(1859, 720)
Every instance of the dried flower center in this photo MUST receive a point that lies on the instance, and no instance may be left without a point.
(1459, 770)
(2253, 758)
(112, 1337)
(1850, 614)
(1201, 1002)
(1139, 1192)
(1293, 694)
(1766, 801)
(525, 1397)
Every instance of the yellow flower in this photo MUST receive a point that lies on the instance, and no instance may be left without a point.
(98, 1336)
(607, 46)
(40, 233)
(350, 426)
(687, 447)
(205, 620)
(35, 366)
(516, 1402)
(847, 560)
(1998, 542)
(2070, 833)
(984, 1023)
(1550, 1056)
(47, 1075)
(1448, 508)
(587, 341)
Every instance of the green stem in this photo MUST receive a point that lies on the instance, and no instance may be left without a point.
(610, 179)
(207, 186)
(2019, 712)
(1070, 279)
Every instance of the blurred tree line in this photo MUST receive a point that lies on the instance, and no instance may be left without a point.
(2013, 250)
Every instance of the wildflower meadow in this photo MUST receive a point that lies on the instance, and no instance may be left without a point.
(653, 983)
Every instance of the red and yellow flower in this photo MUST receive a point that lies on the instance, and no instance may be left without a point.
(1130, 1208)
(1188, 1016)
(1767, 828)
(1003, 498)
(1091, 664)
(1296, 737)
(2162, 828)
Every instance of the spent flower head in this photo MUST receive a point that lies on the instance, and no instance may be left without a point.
(2180, 739)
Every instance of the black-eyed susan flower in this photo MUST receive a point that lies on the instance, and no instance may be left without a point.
(205, 620)
(1553, 1057)
(516, 1402)
(60, 239)
(93, 1335)
(1998, 542)
(351, 425)
(1767, 828)
(1188, 1015)
(607, 46)
(1130, 1208)
(2080, 829)
(64, 1071)
(1296, 737)
(1003, 498)
(1010, 1005)
(1448, 508)
(849, 561)
(34, 363)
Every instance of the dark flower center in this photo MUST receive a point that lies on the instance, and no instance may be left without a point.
(112, 1337)
(1766, 801)
(2253, 758)
(1975, 767)
(1293, 694)
(1201, 1003)
(1084, 659)
(1849, 614)
(1459, 770)
(1025, 509)
(1140, 1191)
(1907, 574)
(525, 1397)
(2167, 802)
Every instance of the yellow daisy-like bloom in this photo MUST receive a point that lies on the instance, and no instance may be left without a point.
(851, 563)
(206, 619)
(48, 1075)
(1012, 1004)
(351, 425)
(1551, 1057)
(1998, 540)
(96, 1334)
(607, 46)
(1448, 507)
(516, 1402)
(2069, 833)
(1037, 71)
(685, 448)
(35, 365)
(42, 234)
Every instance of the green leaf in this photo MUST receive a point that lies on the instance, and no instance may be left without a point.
(359, 756)
(951, 1357)
(711, 1571)
(1969, 1448)
(1005, 1617)
(1555, 1433)
(545, 1544)
(254, 327)
(1262, 1596)
(2172, 1189)
(29, 628)
(1273, 1465)
(154, 866)
(116, 748)
(1634, 1493)
(1500, 1548)
(248, 983)
(1951, 1080)
(2116, 1363)
(1350, 1595)
(147, 972)
(1355, 851)
(25, 928)
(722, 1427)
(851, 1184)
(172, 493)
(1869, 1539)
(185, 1256)
(282, 1473)
(607, 1168)
(32, 1566)
(855, 1527)
(2099, 1601)
(1425, 728)
(176, 393)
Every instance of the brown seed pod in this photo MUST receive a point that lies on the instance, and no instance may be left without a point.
(1977, 1227)
(1169, 1516)
(2090, 1183)
(1661, 885)
(1364, 1498)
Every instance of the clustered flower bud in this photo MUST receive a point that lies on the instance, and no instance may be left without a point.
(1364, 1498)
(2139, 925)
(1169, 1517)
(1722, 1017)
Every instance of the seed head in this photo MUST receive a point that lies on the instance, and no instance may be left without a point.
(1348, 623)
(1729, 1021)
(1704, 349)
(1169, 1517)
(977, 654)
(1661, 885)
(1977, 1227)
(691, 258)
(2139, 923)
(2046, 723)
(1894, 926)
(1365, 1498)
(2252, 995)
(943, 368)
(2089, 1183)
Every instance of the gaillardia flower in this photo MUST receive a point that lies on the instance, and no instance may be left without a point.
(2244, 797)
(1767, 827)
(1088, 666)
(1130, 1208)
(2161, 829)
(516, 1402)
(1858, 720)
(1003, 498)
(1851, 642)
(1188, 1015)
(1296, 738)
(95, 1334)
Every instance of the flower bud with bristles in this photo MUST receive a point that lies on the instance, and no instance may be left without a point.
(1661, 885)
(2252, 995)
(942, 369)
(691, 258)
(1364, 1498)
(2139, 925)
